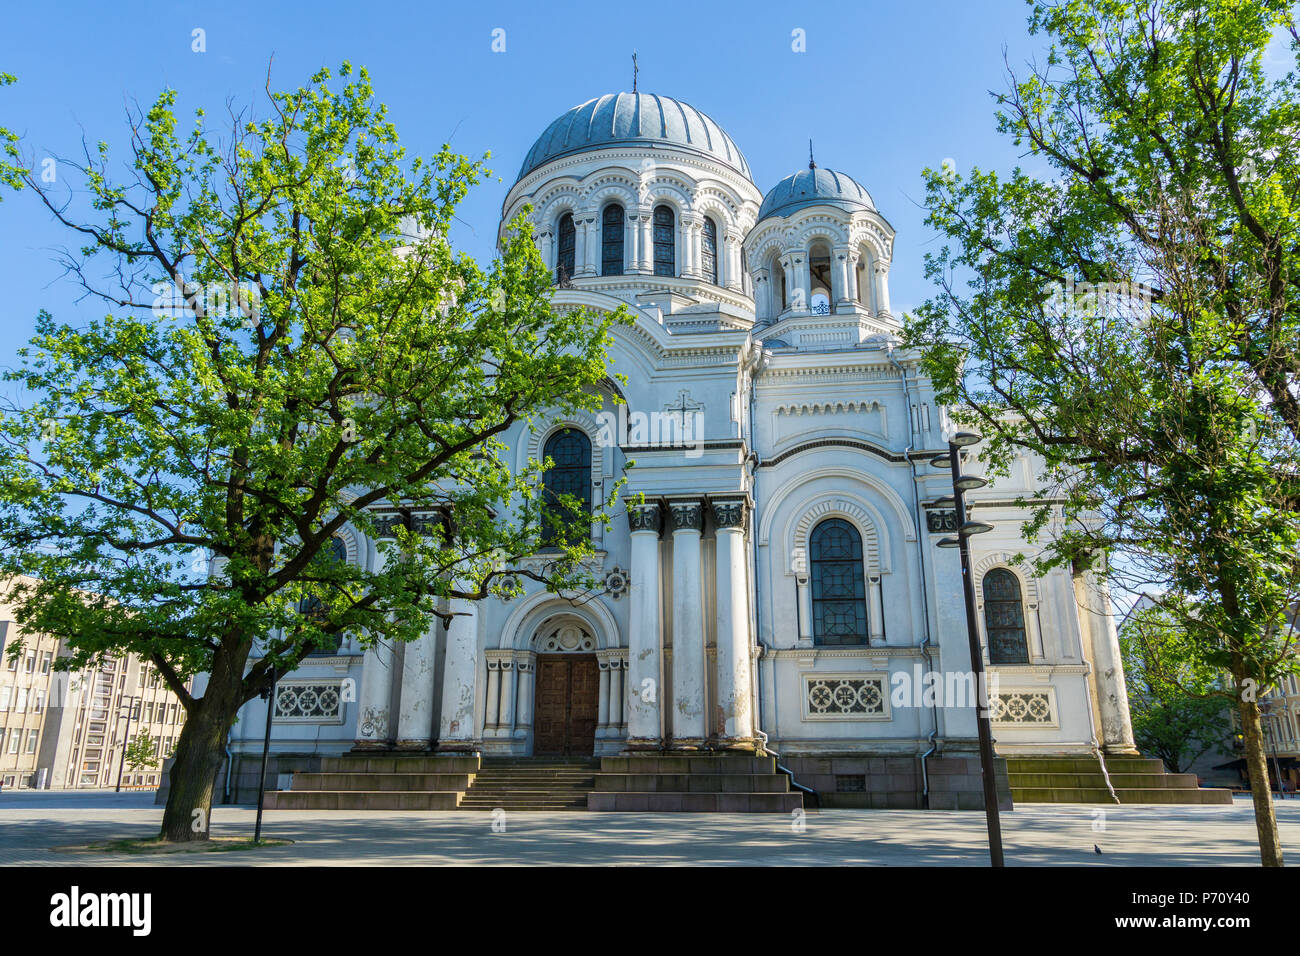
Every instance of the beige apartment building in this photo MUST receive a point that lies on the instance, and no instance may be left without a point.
(64, 730)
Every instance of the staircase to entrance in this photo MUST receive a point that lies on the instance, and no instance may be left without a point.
(531, 783)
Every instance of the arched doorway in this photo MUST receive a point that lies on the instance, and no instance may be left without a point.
(567, 692)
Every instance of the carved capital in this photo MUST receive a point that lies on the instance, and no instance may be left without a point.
(941, 521)
(647, 517)
(686, 515)
(729, 512)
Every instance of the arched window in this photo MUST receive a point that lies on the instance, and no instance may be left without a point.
(665, 241)
(1004, 618)
(611, 240)
(569, 474)
(312, 606)
(564, 263)
(709, 251)
(839, 588)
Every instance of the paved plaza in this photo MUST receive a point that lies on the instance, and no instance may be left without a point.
(32, 824)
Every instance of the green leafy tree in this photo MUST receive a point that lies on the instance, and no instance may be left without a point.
(292, 342)
(139, 753)
(1181, 707)
(1128, 317)
(10, 170)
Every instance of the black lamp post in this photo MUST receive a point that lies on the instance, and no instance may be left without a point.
(268, 694)
(965, 528)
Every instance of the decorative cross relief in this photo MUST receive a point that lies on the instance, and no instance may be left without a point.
(683, 407)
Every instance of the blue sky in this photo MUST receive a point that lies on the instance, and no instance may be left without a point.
(883, 89)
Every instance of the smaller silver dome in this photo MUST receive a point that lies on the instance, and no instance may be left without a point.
(815, 187)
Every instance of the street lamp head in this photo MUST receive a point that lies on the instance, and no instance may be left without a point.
(968, 483)
(975, 527)
(941, 461)
(947, 501)
(948, 543)
(961, 439)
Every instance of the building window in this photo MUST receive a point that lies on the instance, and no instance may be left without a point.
(32, 735)
(5, 693)
(20, 707)
(565, 251)
(15, 738)
(839, 587)
(611, 241)
(13, 664)
(1004, 618)
(665, 234)
(312, 606)
(38, 704)
(31, 662)
(46, 660)
(569, 474)
(709, 251)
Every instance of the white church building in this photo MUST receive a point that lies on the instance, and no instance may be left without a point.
(780, 588)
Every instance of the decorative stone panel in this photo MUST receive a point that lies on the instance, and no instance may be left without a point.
(845, 697)
(1024, 708)
(309, 701)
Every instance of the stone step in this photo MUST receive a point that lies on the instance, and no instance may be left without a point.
(1130, 781)
(399, 763)
(692, 783)
(704, 763)
(1121, 764)
(361, 800)
(1127, 795)
(382, 781)
(667, 802)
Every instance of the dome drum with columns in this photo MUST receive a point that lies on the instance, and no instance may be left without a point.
(781, 581)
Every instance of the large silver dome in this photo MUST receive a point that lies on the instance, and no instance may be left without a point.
(618, 118)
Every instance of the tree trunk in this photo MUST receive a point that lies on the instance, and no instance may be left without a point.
(1270, 847)
(200, 749)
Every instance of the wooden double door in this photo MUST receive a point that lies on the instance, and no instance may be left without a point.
(567, 705)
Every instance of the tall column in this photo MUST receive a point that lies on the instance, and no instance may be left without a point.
(733, 279)
(491, 718)
(854, 295)
(876, 619)
(602, 707)
(735, 691)
(631, 239)
(590, 264)
(580, 235)
(840, 295)
(374, 704)
(644, 726)
(881, 270)
(543, 240)
(645, 244)
(415, 717)
(526, 666)
(803, 594)
(686, 518)
(691, 225)
(616, 672)
(1108, 670)
(506, 714)
(763, 295)
(460, 672)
